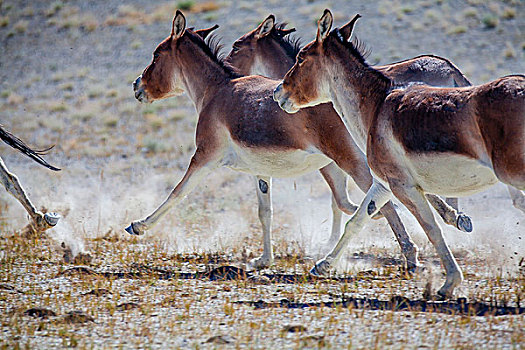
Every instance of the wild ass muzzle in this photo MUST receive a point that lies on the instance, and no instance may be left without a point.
(418, 139)
(242, 128)
(39, 221)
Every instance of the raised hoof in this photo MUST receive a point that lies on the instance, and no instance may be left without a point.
(132, 230)
(52, 218)
(464, 223)
(322, 268)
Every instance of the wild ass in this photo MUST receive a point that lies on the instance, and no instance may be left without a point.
(242, 128)
(418, 139)
(268, 50)
(40, 221)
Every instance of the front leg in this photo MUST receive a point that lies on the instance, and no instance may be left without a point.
(359, 171)
(337, 180)
(200, 166)
(40, 221)
(376, 197)
(264, 197)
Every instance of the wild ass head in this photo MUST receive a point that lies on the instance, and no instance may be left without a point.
(163, 78)
(263, 50)
(305, 84)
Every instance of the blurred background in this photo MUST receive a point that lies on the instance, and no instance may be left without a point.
(66, 69)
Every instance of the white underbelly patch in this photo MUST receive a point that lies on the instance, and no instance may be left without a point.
(452, 175)
(275, 162)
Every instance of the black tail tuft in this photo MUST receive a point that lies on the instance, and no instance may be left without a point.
(19, 145)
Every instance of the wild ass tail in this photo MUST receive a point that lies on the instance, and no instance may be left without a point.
(19, 145)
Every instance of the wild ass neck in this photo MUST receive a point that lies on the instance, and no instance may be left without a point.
(356, 90)
(202, 74)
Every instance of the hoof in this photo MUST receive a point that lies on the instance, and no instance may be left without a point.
(259, 263)
(443, 295)
(52, 218)
(413, 267)
(464, 223)
(133, 230)
(322, 268)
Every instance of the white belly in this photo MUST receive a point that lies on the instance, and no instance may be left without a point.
(275, 163)
(451, 175)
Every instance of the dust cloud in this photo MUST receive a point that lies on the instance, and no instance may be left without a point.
(221, 214)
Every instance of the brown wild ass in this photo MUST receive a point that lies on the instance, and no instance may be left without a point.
(418, 139)
(40, 221)
(268, 50)
(241, 127)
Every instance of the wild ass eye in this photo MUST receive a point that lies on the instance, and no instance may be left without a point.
(300, 59)
(155, 55)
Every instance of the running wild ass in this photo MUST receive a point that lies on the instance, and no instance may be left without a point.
(39, 221)
(418, 139)
(268, 50)
(241, 127)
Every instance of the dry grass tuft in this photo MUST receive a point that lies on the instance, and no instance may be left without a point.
(205, 7)
(4, 21)
(490, 21)
(21, 26)
(15, 99)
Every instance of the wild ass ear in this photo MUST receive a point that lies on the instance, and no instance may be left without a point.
(346, 30)
(206, 31)
(265, 27)
(178, 26)
(324, 25)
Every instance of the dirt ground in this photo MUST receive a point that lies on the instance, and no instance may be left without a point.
(66, 69)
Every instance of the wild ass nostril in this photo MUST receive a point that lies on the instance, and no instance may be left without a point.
(136, 82)
(277, 92)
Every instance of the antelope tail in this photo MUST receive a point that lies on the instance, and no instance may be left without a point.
(19, 145)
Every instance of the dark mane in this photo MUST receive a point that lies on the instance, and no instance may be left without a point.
(360, 52)
(290, 43)
(212, 48)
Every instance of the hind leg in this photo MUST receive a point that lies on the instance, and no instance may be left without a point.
(453, 202)
(264, 197)
(518, 198)
(417, 204)
(337, 181)
(337, 218)
(451, 217)
(40, 221)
